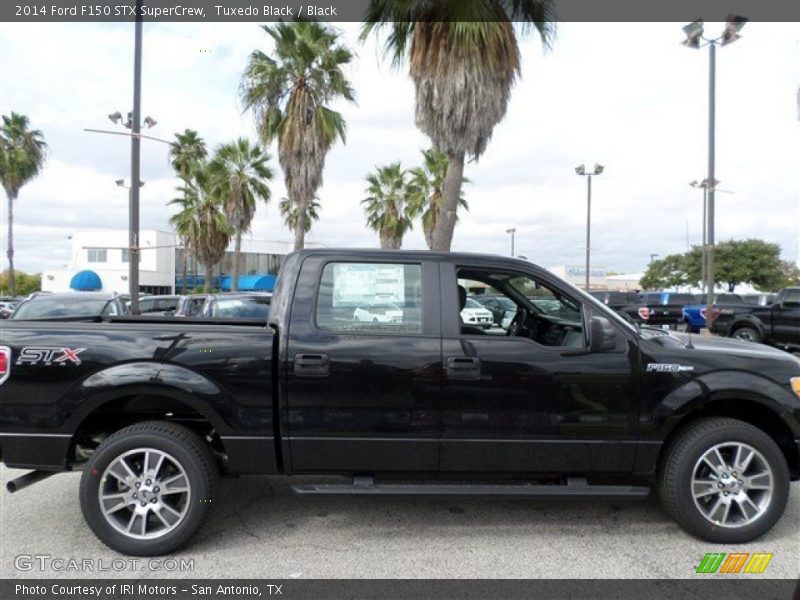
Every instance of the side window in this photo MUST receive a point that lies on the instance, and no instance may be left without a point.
(370, 297)
(791, 298)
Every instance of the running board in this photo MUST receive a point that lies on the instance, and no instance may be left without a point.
(575, 488)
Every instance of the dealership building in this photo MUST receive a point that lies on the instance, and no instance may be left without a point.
(99, 260)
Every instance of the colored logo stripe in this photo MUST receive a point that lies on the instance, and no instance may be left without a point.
(734, 562)
(758, 563)
(711, 562)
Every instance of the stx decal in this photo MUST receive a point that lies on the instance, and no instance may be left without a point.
(736, 562)
(45, 355)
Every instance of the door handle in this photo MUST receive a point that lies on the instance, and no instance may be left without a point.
(311, 365)
(463, 368)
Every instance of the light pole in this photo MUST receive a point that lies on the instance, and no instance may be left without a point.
(694, 37)
(581, 170)
(513, 232)
(653, 257)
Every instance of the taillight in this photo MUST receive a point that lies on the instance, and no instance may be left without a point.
(644, 313)
(703, 313)
(5, 363)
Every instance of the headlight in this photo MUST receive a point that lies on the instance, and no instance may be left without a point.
(795, 381)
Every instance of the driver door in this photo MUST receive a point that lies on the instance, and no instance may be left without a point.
(512, 404)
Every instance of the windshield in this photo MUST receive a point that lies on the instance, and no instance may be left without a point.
(241, 308)
(46, 306)
(472, 304)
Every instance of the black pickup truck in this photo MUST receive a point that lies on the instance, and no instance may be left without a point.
(631, 306)
(573, 402)
(776, 324)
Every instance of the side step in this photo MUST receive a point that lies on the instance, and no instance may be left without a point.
(575, 488)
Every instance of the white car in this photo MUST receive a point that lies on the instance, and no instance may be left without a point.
(379, 313)
(476, 315)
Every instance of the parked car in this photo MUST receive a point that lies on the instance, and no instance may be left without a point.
(498, 305)
(68, 305)
(191, 305)
(777, 324)
(476, 315)
(631, 306)
(760, 299)
(378, 313)
(164, 306)
(237, 305)
(695, 314)
(570, 403)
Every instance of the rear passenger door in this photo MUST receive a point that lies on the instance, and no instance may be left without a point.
(364, 396)
(786, 318)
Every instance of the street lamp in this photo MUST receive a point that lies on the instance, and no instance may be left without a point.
(581, 170)
(653, 257)
(513, 232)
(695, 39)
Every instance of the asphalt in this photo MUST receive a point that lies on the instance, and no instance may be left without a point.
(259, 528)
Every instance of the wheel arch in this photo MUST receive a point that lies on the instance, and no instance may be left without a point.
(749, 410)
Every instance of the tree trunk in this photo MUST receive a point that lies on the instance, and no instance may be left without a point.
(237, 250)
(10, 253)
(429, 237)
(209, 277)
(451, 192)
(300, 226)
(390, 242)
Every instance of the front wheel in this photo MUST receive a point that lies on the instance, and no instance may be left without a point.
(747, 334)
(724, 481)
(148, 488)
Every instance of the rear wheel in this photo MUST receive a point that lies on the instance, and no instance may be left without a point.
(724, 481)
(148, 488)
(747, 334)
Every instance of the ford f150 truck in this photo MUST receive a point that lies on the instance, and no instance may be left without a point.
(572, 402)
(777, 324)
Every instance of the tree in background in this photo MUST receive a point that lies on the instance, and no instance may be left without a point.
(386, 204)
(464, 59)
(25, 283)
(239, 174)
(425, 191)
(750, 261)
(291, 97)
(22, 155)
(186, 154)
(291, 213)
(202, 222)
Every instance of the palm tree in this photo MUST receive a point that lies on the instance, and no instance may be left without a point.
(386, 205)
(186, 154)
(463, 58)
(239, 172)
(425, 191)
(202, 222)
(291, 213)
(22, 156)
(291, 96)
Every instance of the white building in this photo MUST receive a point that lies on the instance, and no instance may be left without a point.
(99, 262)
(104, 252)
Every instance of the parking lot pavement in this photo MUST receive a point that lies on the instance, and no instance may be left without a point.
(259, 528)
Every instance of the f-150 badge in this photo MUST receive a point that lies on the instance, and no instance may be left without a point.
(45, 355)
(667, 368)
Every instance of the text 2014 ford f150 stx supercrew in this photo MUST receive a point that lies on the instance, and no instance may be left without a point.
(571, 400)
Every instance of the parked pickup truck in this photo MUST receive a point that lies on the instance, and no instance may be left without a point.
(633, 307)
(574, 402)
(696, 314)
(777, 324)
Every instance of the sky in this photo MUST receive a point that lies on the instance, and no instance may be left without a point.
(628, 96)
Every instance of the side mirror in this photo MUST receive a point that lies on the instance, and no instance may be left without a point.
(602, 335)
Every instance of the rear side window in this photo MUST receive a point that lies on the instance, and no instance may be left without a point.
(370, 298)
(681, 299)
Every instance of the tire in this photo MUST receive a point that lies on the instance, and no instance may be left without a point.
(684, 470)
(747, 334)
(167, 518)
